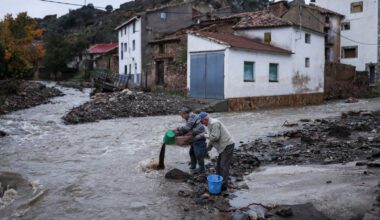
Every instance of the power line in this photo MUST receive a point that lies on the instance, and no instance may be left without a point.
(67, 3)
(347, 38)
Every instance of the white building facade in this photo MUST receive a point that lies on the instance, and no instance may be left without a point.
(291, 64)
(130, 60)
(359, 33)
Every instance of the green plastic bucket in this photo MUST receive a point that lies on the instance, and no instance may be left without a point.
(169, 137)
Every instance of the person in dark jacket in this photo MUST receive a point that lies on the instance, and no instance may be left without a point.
(198, 148)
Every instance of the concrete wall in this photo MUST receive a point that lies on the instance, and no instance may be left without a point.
(364, 29)
(131, 58)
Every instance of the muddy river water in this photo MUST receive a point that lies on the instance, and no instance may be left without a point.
(96, 170)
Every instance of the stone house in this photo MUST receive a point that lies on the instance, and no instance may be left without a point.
(136, 33)
(168, 67)
(104, 56)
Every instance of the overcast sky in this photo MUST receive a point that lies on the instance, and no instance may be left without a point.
(38, 8)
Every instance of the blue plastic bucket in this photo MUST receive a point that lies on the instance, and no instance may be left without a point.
(215, 184)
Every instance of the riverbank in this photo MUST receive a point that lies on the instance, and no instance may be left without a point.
(21, 94)
(128, 104)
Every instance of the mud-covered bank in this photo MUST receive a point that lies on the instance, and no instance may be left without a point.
(352, 137)
(20, 94)
(128, 104)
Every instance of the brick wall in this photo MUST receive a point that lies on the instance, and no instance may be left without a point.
(342, 81)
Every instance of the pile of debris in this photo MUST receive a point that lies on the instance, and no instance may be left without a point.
(19, 94)
(127, 104)
(355, 136)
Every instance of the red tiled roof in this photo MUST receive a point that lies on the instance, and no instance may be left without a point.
(260, 19)
(102, 48)
(241, 42)
(322, 10)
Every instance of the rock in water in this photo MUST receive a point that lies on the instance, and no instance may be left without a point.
(161, 160)
(2, 134)
(177, 174)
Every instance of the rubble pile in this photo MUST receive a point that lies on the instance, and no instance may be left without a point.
(127, 104)
(355, 136)
(17, 94)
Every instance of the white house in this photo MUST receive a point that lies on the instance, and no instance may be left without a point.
(130, 61)
(359, 33)
(265, 57)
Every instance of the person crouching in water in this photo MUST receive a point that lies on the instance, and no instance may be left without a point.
(198, 147)
(219, 138)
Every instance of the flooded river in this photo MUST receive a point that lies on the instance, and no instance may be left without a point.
(95, 171)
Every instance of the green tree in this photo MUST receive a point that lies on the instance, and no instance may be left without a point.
(60, 51)
(20, 46)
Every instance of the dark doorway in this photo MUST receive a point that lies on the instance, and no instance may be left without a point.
(160, 72)
(371, 74)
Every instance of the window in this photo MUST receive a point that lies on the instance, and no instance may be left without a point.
(350, 52)
(133, 45)
(125, 47)
(356, 7)
(267, 37)
(161, 48)
(307, 38)
(327, 19)
(273, 72)
(125, 30)
(307, 62)
(125, 69)
(346, 26)
(249, 71)
(134, 27)
(163, 15)
(121, 51)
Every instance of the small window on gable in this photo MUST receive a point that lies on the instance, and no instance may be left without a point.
(307, 62)
(327, 19)
(249, 71)
(267, 37)
(357, 7)
(121, 32)
(307, 38)
(133, 45)
(163, 15)
(125, 30)
(346, 26)
(134, 26)
(273, 72)
(350, 52)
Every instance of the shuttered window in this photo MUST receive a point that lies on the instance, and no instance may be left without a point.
(273, 72)
(356, 7)
(249, 71)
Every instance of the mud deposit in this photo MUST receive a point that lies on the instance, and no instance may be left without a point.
(127, 104)
(354, 136)
(16, 95)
